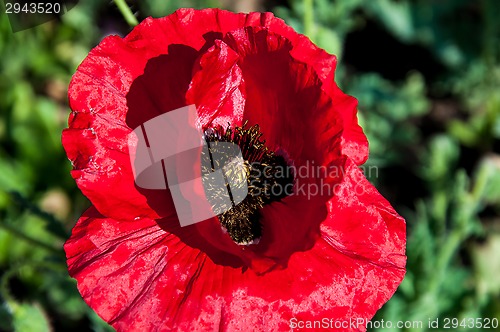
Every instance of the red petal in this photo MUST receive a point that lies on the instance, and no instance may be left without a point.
(105, 104)
(362, 223)
(140, 278)
(217, 89)
(98, 99)
(108, 100)
(285, 99)
(354, 142)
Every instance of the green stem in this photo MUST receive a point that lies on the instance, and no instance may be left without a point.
(426, 303)
(446, 254)
(126, 12)
(309, 18)
(482, 179)
(469, 205)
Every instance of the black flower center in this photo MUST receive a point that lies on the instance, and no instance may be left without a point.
(254, 176)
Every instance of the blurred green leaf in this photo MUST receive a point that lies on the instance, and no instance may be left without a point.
(329, 40)
(466, 133)
(162, 8)
(442, 155)
(386, 111)
(396, 15)
(489, 173)
(30, 318)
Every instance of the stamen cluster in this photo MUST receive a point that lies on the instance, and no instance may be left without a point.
(261, 170)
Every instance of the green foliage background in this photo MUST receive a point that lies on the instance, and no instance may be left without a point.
(426, 74)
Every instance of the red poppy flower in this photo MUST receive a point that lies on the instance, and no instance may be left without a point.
(313, 256)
